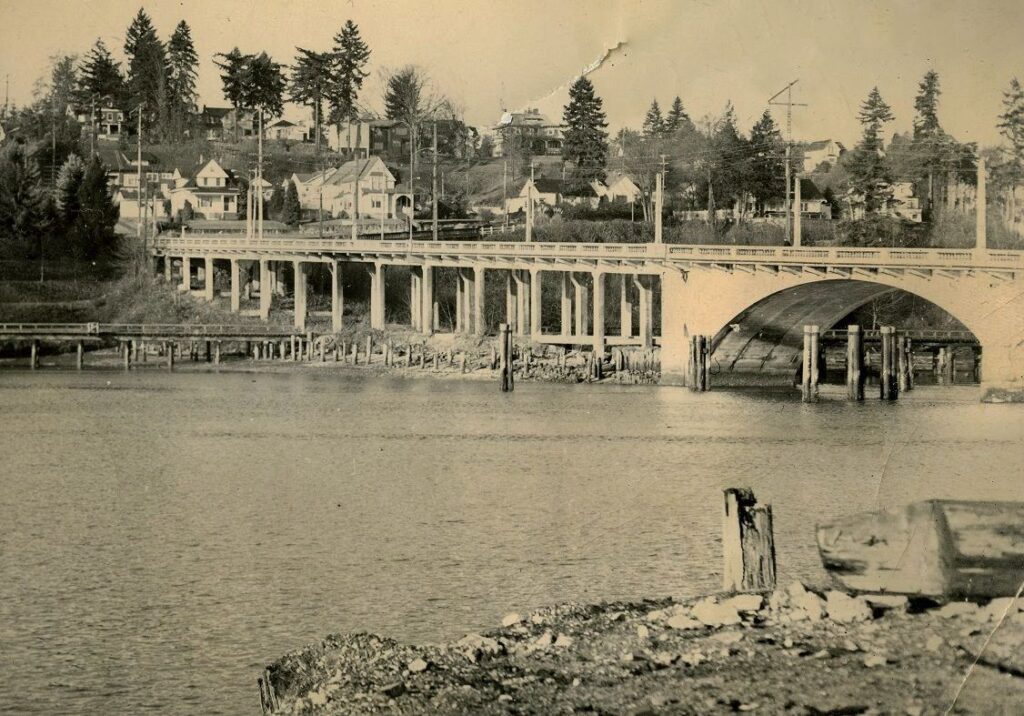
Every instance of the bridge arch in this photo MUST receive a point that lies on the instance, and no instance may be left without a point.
(775, 305)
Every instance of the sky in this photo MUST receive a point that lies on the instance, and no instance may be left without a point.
(491, 56)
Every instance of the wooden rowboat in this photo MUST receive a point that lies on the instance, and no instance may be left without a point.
(936, 548)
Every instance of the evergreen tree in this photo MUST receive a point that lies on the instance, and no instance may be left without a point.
(24, 215)
(147, 73)
(677, 119)
(870, 173)
(654, 123)
(586, 141)
(1011, 126)
(100, 78)
(234, 67)
(183, 68)
(348, 58)
(264, 86)
(310, 82)
(729, 157)
(63, 85)
(94, 230)
(926, 123)
(69, 181)
(767, 170)
(291, 210)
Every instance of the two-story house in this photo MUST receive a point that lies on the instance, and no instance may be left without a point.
(365, 188)
(824, 151)
(529, 129)
(212, 192)
(550, 193)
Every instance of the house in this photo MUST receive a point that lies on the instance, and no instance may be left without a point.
(532, 128)
(283, 130)
(813, 204)
(618, 187)
(368, 137)
(227, 123)
(365, 188)
(552, 192)
(904, 204)
(824, 151)
(154, 202)
(263, 186)
(212, 192)
(110, 124)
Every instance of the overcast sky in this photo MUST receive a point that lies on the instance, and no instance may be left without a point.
(495, 55)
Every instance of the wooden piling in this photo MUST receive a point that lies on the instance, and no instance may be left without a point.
(748, 543)
(126, 354)
(854, 363)
(216, 353)
(809, 372)
(887, 383)
(169, 352)
(369, 350)
(263, 695)
(949, 367)
(79, 356)
(505, 358)
(908, 346)
(900, 346)
(33, 361)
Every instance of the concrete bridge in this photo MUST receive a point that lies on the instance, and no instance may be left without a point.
(750, 301)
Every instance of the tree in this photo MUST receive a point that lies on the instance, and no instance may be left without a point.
(728, 158)
(1011, 126)
(62, 88)
(183, 68)
(586, 141)
(654, 123)
(69, 181)
(870, 174)
(264, 85)
(98, 215)
(291, 209)
(407, 99)
(24, 218)
(310, 83)
(766, 173)
(100, 77)
(348, 70)
(677, 119)
(926, 123)
(233, 66)
(147, 72)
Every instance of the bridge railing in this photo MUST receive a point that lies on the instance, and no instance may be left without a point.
(143, 329)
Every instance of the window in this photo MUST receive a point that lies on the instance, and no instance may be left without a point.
(376, 203)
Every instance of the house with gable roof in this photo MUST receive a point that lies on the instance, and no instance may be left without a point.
(369, 179)
(212, 192)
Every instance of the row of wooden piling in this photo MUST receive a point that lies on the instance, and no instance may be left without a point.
(896, 374)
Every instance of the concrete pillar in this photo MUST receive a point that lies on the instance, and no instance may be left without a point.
(468, 307)
(428, 303)
(208, 280)
(416, 298)
(479, 312)
(265, 289)
(565, 303)
(598, 315)
(300, 295)
(277, 286)
(377, 278)
(511, 299)
(186, 274)
(582, 306)
(460, 301)
(168, 268)
(337, 296)
(236, 286)
(643, 284)
(535, 304)
(626, 306)
(522, 302)
(79, 356)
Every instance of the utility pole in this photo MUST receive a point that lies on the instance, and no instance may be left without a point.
(660, 199)
(981, 242)
(138, 167)
(433, 189)
(789, 104)
(504, 189)
(529, 206)
(412, 187)
(259, 180)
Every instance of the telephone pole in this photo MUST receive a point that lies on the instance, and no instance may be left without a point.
(433, 189)
(504, 189)
(529, 206)
(660, 199)
(789, 104)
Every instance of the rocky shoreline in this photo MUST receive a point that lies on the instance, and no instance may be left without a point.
(796, 651)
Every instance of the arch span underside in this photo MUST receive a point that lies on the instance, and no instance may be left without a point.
(767, 338)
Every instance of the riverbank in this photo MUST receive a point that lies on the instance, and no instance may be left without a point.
(797, 652)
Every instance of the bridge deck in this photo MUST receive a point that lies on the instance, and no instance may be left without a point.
(152, 331)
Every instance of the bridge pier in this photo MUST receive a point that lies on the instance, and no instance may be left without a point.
(522, 279)
(186, 274)
(265, 290)
(300, 295)
(625, 306)
(377, 278)
(645, 287)
(598, 319)
(337, 296)
(428, 301)
(581, 304)
(208, 282)
(416, 298)
(565, 304)
(479, 312)
(236, 286)
(511, 300)
(168, 267)
(536, 310)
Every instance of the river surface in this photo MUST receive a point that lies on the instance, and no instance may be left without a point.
(164, 536)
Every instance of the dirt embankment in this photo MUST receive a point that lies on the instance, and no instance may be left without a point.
(797, 652)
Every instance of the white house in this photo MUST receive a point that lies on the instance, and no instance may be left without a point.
(821, 151)
(212, 193)
(377, 194)
(813, 204)
(550, 193)
(904, 204)
(618, 187)
(282, 130)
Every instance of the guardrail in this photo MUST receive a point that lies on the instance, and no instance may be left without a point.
(701, 253)
(169, 330)
(915, 334)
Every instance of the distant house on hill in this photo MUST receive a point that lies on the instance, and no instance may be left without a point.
(824, 151)
(212, 192)
(370, 137)
(813, 204)
(530, 128)
(227, 123)
(368, 179)
(283, 130)
(618, 187)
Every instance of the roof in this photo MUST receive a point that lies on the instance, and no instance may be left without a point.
(565, 188)
(809, 191)
(349, 171)
(282, 123)
(216, 111)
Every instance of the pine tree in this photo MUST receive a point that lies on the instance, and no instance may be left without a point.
(677, 118)
(926, 123)
(264, 85)
(310, 82)
(69, 181)
(24, 218)
(63, 85)
(147, 73)
(654, 123)
(94, 229)
(291, 210)
(766, 173)
(234, 67)
(183, 68)
(349, 57)
(1011, 126)
(729, 155)
(869, 171)
(586, 141)
(100, 78)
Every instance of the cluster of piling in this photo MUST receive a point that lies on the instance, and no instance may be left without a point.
(896, 364)
(699, 378)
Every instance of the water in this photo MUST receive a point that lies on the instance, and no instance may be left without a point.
(166, 535)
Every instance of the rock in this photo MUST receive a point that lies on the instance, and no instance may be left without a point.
(694, 658)
(504, 698)
(806, 605)
(745, 602)
(394, 689)
(536, 618)
(728, 637)
(477, 643)
(845, 609)
(709, 613)
(643, 632)
(657, 615)
(417, 665)
(795, 590)
(934, 643)
(682, 621)
(874, 660)
(317, 698)
(511, 619)
(850, 645)
(779, 600)
(897, 602)
(616, 617)
(957, 609)
(543, 641)
(997, 608)
(563, 641)
(663, 658)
